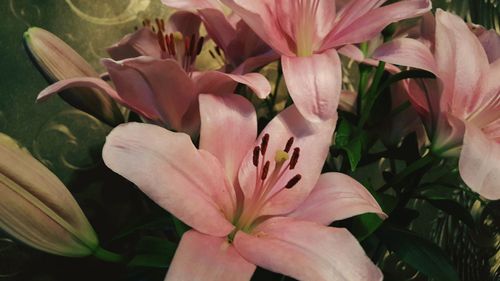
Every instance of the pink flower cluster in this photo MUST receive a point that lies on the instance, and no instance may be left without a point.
(260, 199)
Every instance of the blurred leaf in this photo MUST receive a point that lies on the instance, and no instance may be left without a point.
(419, 253)
(153, 252)
(453, 209)
(180, 227)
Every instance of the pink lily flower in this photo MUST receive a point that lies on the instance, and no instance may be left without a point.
(242, 49)
(144, 41)
(250, 201)
(461, 109)
(307, 33)
(162, 87)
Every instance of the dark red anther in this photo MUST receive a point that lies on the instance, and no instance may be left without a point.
(217, 49)
(172, 44)
(200, 45)
(186, 45)
(265, 171)
(158, 24)
(161, 41)
(192, 44)
(289, 144)
(256, 151)
(293, 181)
(162, 21)
(263, 144)
(295, 158)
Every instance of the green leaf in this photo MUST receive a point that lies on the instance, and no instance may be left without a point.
(419, 253)
(364, 225)
(453, 209)
(351, 140)
(153, 252)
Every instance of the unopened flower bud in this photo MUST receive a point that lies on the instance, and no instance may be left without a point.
(58, 61)
(37, 209)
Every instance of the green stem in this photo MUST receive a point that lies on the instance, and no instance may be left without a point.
(108, 256)
(278, 81)
(372, 94)
(412, 168)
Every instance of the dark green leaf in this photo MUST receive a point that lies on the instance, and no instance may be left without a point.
(419, 253)
(453, 209)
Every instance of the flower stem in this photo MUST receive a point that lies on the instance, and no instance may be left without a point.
(412, 168)
(108, 256)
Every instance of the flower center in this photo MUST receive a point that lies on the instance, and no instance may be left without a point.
(269, 179)
(298, 21)
(184, 49)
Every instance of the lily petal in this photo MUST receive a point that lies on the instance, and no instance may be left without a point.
(323, 253)
(367, 26)
(228, 129)
(169, 169)
(216, 82)
(457, 46)
(491, 44)
(186, 23)
(191, 4)
(153, 87)
(200, 257)
(219, 28)
(407, 52)
(254, 63)
(314, 83)
(336, 197)
(479, 163)
(313, 139)
(143, 42)
(259, 16)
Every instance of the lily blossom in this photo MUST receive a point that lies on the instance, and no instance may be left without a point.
(164, 88)
(144, 41)
(461, 109)
(239, 48)
(306, 33)
(250, 200)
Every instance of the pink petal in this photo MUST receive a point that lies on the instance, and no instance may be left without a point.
(169, 169)
(80, 82)
(149, 85)
(491, 44)
(253, 63)
(261, 17)
(191, 4)
(291, 17)
(352, 52)
(218, 27)
(306, 251)
(362, 27)
(313, 139)
(424, 94)
(347, 101)
(228, 129)
(216, 82)
(336, 197)
(143, 42)
(184, 22)
(480, 163)
(407, 52)
(456, 47)
(200, 257)
(314, 83)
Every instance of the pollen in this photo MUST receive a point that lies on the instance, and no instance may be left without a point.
(281, 157)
